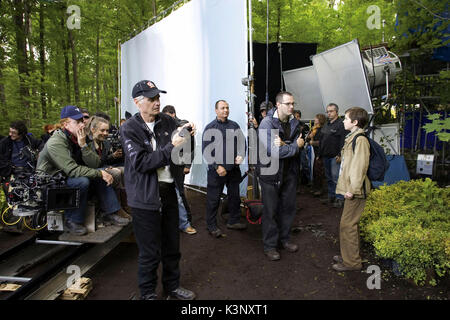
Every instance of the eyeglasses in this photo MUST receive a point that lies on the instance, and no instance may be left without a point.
(85, 117)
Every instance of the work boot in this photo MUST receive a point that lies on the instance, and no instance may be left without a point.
(181, 294)
(340, 267)
(115, 219)
(216, 233)
(75, 228)
(272, 255)
(291, 247)
(237, 226)
(124, 214)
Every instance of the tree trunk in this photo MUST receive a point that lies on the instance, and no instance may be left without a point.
(154, 8)
(34, 113)
(105, 89)
(42, 61)
(97, 71)
(64, 44)
(278, 22)
(75, 67)
(3, 107)
(22, 63)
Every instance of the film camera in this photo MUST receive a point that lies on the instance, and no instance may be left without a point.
(32, 193)
(185, 131)
(114, 139)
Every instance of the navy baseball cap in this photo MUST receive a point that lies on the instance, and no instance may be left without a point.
(146, 88)
(71, 112)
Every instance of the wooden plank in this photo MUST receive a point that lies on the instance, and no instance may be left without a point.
(9, 286)
(78, 291)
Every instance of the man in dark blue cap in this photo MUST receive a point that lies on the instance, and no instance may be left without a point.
(67, 151)
(148, 141)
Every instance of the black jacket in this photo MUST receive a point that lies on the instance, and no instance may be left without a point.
(6, 145)
(209, 137)
(141, 161)
(332, 138)
(179, 174)
(106, 157)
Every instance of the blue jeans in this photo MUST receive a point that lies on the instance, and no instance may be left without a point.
(332, 175)
(184, 222)
(106, 195)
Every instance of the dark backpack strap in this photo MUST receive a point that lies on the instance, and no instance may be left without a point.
(354, 140)
(353, 148)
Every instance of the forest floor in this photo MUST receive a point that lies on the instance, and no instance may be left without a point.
(234, 267)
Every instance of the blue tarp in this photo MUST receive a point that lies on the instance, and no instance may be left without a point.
(411, 132)
(397, 171)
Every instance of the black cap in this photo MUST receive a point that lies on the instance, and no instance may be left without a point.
(147, 89)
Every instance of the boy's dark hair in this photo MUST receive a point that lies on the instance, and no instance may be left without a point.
(20, 126)
(83, 110)
(357, 113)
(169, 109)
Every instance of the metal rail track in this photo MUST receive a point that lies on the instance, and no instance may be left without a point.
(51, 282)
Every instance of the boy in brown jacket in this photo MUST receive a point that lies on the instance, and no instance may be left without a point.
(354, 185)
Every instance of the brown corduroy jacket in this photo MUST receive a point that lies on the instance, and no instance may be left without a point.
(354, 165)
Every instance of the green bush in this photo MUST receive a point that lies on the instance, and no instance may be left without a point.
(409, 222)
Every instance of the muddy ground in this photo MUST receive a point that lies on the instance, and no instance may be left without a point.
(234, 267)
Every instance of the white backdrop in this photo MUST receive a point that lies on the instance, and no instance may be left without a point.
(198, 54)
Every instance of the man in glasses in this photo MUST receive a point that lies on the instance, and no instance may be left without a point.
(279, 136)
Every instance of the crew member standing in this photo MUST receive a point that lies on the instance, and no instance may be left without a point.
(278, 177)
(149, 170)
(221, 136)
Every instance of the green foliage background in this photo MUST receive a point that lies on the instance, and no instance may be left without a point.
(44, 65)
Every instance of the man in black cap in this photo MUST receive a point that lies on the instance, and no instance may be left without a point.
(264, 107)
(149, 170)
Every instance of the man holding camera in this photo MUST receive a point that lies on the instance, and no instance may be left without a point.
(278, 177)
(148, 139)
(68, 151)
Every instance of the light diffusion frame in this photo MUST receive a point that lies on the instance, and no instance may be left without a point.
(337, 75)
